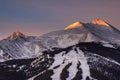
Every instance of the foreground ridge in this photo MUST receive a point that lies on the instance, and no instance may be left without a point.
(83, 61)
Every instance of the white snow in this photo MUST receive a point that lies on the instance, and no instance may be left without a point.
(58, 61)
(71, 57)
(107, 59)
(73, 68)
(1, 56)
(84, 66)
(70, 39)
(108, 45)
(90, 37)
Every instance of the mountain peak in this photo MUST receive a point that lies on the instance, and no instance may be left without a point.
(74, 25)
(100, 22)
(16, 34)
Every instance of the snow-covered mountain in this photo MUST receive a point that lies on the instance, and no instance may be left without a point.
(97, 31)
(13, 47)
(82, 51)
(84, 61)
(20, 46)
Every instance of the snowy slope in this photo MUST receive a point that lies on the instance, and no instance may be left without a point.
(2, 55)
(83, 61)
(14, 47)
(97, 30)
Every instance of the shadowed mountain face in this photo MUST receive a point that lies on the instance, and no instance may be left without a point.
(83, 51)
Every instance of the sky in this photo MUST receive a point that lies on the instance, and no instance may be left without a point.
(37, 17)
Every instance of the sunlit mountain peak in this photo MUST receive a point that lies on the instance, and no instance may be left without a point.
(100, 22)
(74, 25)
(16, 34)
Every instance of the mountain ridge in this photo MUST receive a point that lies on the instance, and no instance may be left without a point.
(80, 24)
(24, 45)
(69, 64)
(87, 52)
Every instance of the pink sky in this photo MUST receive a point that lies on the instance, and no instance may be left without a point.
(36, 17)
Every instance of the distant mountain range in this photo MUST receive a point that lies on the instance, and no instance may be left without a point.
(82, 51)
